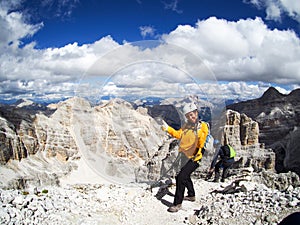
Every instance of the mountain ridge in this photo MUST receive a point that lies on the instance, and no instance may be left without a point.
(278, 116)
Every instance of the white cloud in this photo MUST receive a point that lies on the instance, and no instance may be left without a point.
(13, 29)
(276, 8)
(212, 50)
(243, 50)
(14, 17)
(147, 31)
(50, 70)
(292, 8)
(273, 12)
(172, 5)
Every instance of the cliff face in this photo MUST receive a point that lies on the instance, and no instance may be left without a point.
(276, 114)
(278, 118)
(25, 132)
(114, 139)
(240, 130)
(18, 136)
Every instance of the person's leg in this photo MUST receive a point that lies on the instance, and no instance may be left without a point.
(183, 180)
(217, 171)
(227, 164)
(225, 173)
(190, 185)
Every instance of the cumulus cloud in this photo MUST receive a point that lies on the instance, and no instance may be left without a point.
(275, 9)
(216, 50)
(29, 72)
(292, 8)
(14, 28)
(18, 18)
(211, 57)
(243, 50)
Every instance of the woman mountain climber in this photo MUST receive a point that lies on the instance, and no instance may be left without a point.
(192, 136)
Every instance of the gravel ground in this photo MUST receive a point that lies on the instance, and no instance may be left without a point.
(248, 203)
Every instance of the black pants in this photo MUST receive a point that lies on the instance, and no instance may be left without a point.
(226, 164)
(183, 180)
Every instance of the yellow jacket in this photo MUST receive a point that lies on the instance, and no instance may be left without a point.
(194, 149)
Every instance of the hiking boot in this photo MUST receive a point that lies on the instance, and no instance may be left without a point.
(208, 176)
(174, 208)
(216, 180)
(189, 198)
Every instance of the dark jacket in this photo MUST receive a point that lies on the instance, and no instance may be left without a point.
(224, 153)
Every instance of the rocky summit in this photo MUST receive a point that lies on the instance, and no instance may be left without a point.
(77, 163)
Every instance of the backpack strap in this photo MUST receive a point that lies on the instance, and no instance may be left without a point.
(199, 126)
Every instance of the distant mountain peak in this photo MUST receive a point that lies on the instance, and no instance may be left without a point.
(23, 102)
(295, 94)
(271, 94)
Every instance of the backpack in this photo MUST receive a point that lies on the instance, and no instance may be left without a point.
(232, 151)
(209, 142)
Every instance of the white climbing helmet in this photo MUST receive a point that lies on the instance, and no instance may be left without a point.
(189, 107)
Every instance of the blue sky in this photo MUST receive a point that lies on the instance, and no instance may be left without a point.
(49, 46)
(123, 20)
